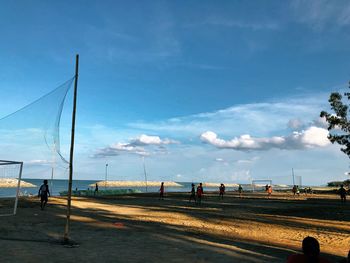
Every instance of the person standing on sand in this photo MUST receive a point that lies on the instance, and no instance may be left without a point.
(269, 191)
(311, 252)
(240, 190)
(43, 193)
(294, 190)
(221, 191)
(193, 194)
(342, 193)
(199, 193)
(161, 191)
(96, 189)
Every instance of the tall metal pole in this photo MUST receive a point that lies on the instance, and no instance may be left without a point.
(106, 176)
(144, 170)
(69, 197)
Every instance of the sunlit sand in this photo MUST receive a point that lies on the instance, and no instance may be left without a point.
(141, 228)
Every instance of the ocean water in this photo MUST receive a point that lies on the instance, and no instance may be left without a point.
(56, 186)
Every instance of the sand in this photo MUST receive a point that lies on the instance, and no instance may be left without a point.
(141, 228)
(13, 183)
(134, 184)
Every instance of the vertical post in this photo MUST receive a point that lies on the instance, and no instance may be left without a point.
(69, 197)
(293, 177)
(106, 176)
(144, 170)
(18, 186)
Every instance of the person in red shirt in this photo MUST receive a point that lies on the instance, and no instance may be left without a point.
(311, 253)
(161, 191)
(269, 191)
(199, 193)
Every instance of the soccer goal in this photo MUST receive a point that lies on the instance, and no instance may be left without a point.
(298, 180)
(10, 183)
(260, 184)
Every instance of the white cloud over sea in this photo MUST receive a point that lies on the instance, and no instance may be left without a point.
(135, 146)
(258, 119)
(312, 137)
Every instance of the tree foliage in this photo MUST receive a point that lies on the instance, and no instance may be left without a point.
(338, 121)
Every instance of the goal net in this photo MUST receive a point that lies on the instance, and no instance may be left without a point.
(10, 182)
(287, 181)
(32, 135)
(259, 185)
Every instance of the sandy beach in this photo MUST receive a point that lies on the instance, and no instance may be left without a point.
(141, 228)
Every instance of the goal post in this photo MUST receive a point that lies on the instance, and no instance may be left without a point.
(10, 178)
(260, 183)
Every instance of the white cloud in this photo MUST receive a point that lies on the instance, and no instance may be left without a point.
(120, 148)
(320, 122)
(295, 124)
(236, 23)
(248, 161)
(151, 140)
(136, 146)
(38, 162)
(242, 119)
(312, 137)
(321, 13)
(315, 136)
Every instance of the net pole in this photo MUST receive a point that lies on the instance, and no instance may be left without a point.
(144, 170)
(18, 186)
(69, 197)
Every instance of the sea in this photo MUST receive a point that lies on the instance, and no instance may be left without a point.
(57, 185)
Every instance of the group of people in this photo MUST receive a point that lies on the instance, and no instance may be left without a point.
(196, 195)
(296, 190)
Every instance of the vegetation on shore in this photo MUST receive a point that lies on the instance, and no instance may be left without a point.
(339, 183)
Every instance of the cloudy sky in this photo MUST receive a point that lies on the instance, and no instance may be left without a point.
(225, 91)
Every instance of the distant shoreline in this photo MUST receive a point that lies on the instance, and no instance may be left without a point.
(134, 184)
(13, 183)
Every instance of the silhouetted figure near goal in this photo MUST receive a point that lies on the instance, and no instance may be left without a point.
(240, 191)
(161, 191)
(342, 193)
(294, 190)
(221, 191)
(193, 194)
(96, 189)
(44, 192)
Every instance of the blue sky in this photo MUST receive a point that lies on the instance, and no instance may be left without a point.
(206, 90)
